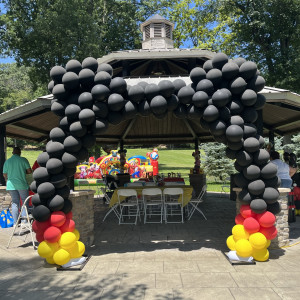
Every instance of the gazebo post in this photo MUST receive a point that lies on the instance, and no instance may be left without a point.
(271, 139)
(196, 144)
(260, 123)
(2, 152)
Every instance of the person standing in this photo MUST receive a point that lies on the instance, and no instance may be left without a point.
(283, 170)
(14, 172)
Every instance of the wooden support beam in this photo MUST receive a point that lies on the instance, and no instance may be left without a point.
(2, 152)
(188, 125)
(20, 125)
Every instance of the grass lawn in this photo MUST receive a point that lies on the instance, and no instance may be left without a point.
(176, 161)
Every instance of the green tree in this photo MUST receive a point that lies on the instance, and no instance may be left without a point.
(41, 33)
(215, 161)
(268, 32)
(16, 87)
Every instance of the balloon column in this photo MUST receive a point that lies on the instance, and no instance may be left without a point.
(252, 234)
(222, 97)
(154, 161)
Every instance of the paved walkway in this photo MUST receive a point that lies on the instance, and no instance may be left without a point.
(173, 261)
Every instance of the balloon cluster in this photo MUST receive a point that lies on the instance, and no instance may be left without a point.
(58, 238)
(252, 234)
(222, 97)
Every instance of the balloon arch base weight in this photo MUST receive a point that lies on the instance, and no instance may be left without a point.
(238, 262)
(77, 267)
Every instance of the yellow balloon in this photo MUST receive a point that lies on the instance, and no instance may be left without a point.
(61, 257)
(50, 260)
(230, 243)
(268, 243)
(77, 250)
(258, 240)
(261, 255)
(67, 240)
(243, 248)
(77, 234)
(239, 232)
(46, 249)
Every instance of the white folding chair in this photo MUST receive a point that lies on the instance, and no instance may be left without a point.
(193, 204)
(168, 183)
(225, 186)
(113, 208)
(173, 198)
(131, 204)
(153, 200)
(133, 184)
(25, 221)
(150, 183)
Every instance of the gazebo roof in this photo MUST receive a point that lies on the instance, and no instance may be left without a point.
(34, 120)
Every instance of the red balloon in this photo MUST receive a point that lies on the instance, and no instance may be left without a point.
(57, 218)
(52, 234)
(39, 236)
(246, 211)
(239, 219)
(69, 215)
(40, 226)
(270, 233)
(266, 219)
(251, 225)
(68, 226)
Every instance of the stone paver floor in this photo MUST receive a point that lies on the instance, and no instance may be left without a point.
(154, 261)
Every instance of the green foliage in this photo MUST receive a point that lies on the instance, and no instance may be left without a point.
(42, 34)
(215, 162)
(15, 86)
(268, 32)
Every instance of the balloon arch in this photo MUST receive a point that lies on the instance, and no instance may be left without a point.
(224, 98)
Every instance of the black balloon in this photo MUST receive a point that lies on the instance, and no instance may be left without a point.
(72, 111)
(181, 111)
(73, 65)
(144, 108)
(249, 97)
(218, 127)
(235, 106)
(197, 74)
(42, 159)
(249, 115)
(256, 187)
(54, 149)
(57, 135)
(86, 116)
(244, 158)
(215, 76)
(158, 105)
(273, 182)
(219, 60)
(257, 83)
(64, 192)
(230, 70)
(58, 180)
(115, 102)
(239, 61)
(260, 102)
(58, 107)
(72, 144)
(82, 155)
(85, 100)
(230, 153)
(115, 118)
(235, 145)
(274, 208)
(46, 190)
(106, 68)
(185, 95)
(251, 172)
(77, 129)
(234, 133)
(220, 98)
(99, 126)
(100, 92)
(33, 186)
(56, 203)
(237, 120)
(200, 99)
(166, 88)
(54, 166)
(136, 93)
(245, 196)
(40, 175)
(173, 102)
(258, 206)
(118, 85)
(248, 69)
(90, 63)
(249, 130)
(211, 113)
(69, 160)
(268, 171)
(86, 78)
(251, 144)
(270, 195)
(67, 206)
(70, 81)
(261, 157)
(208, 65)
(240, 180)
(41, 213)
(178, 84)
(57, 73)
(206, 86)
(224, 114)
(237, 85)
(102, 78)
(129, 110)
(100, 109)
